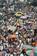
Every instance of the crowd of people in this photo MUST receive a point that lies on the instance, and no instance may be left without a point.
(15, 32)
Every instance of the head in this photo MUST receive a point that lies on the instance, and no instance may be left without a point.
(24, 51)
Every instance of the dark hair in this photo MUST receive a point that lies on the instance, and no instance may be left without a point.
(10, 31)
(23, 51)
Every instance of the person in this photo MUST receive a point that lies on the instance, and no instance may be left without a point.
(32, 53)
(23, 53)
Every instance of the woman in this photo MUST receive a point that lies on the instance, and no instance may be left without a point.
(23, 53)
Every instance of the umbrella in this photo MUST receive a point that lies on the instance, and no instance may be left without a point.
(24, 17)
